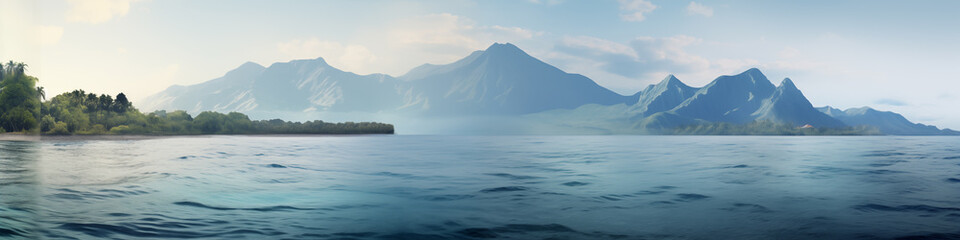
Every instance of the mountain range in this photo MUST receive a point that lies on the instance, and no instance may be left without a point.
(505, 83)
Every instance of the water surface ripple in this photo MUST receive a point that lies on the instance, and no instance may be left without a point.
(482, 187)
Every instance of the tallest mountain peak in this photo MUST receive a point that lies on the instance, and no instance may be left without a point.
(509, 46)
(504, 49)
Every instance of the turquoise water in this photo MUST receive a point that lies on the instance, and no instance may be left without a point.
(477, 187)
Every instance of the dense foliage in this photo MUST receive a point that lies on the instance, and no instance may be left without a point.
(19, 98)
(79, 112)
(768, 128)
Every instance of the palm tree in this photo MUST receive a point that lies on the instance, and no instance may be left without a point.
(10, 65)
(43, 94)
(21, 68)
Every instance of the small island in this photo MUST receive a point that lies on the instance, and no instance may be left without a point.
(24, 111)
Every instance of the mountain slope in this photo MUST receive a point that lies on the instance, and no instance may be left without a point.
(228, 93)
(300, 85)
(313, 85)
(788, 105)
(663, 96)
(503, 80)
(728, 98)
(887, 122)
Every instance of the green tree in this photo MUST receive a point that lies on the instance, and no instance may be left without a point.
(236, 123)
(46, 123)
(122, 104)
(104, 102)
(18, 119)
(59, 128)
(209, 122)
(19, 102)
(41, 93)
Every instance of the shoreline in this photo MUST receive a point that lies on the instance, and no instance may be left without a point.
(108, 137)
(19, 137)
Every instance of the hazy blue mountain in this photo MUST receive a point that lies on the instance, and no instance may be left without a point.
(503, 87)
(741, 98)
(788, 105)
(232, 92)
(887, 122)
(313, 85)
(663, 96)
(502, 80)
(728, 98)
(300, 85)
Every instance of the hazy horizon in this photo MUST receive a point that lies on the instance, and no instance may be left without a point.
(889, 55)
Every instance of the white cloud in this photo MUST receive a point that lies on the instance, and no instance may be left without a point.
(634, 10)
(355, 57)
(350, 57)
(402, 44)
(601, 54)
(516, 32)
(445, 37)
(645, 60)
(448, 30)
(670, 51)
(96, 11)
(598, 45)
(436, 29)
(49, 35)
(699, 9)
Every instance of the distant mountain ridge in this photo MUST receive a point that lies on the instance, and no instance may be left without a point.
(887, 122)
(741, 98)
(503, 80)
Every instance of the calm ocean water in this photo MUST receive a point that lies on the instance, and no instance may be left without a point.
(477, 187)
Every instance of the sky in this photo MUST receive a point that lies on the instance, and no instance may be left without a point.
(897, 56)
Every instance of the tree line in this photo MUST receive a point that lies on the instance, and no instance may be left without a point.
(22, 109)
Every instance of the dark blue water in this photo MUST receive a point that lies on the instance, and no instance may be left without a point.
(478, 187)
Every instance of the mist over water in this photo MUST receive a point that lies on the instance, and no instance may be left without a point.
(478, 187)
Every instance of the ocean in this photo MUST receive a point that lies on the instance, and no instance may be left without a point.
(482, 187)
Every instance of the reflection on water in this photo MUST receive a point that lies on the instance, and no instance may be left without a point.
(479, 187)
(19, 189)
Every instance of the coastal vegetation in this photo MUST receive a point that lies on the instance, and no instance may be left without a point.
(19, 98)
(79, 112)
